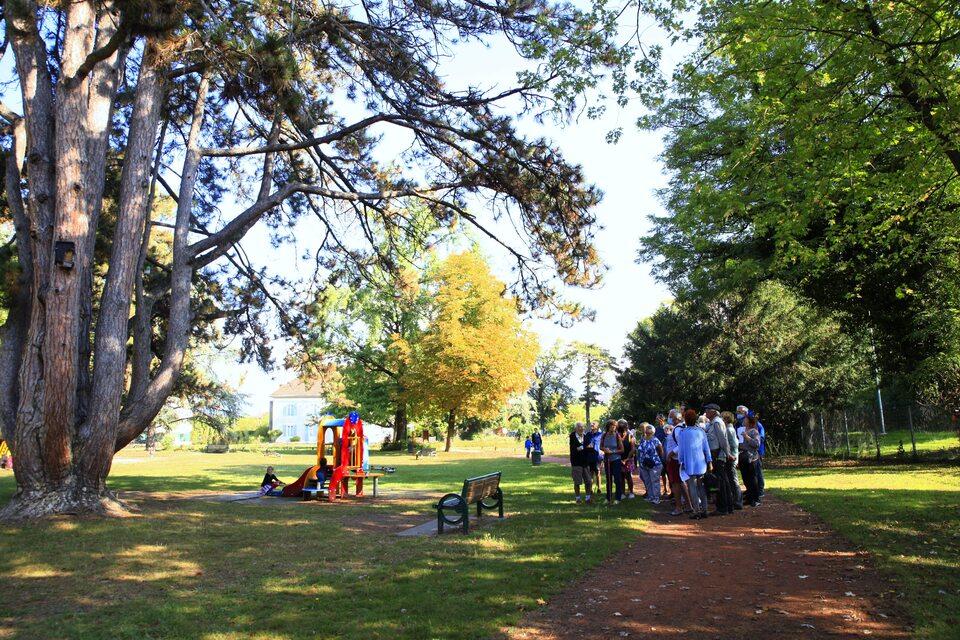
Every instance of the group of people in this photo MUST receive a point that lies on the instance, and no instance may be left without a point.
(534, 442)
(683, 458)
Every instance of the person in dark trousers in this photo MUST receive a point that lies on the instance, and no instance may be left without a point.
(734, 445)
(720, 452)
(749, 454)
(612, 446)
(628, 459)
(537, 441)
(761, 452)
(528, 445)
(582, 461)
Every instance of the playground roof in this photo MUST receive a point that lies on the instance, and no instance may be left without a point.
(297, 388)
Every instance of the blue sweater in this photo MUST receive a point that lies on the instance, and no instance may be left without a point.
(694, 452)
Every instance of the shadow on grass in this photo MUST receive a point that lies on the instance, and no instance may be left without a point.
(198, 570)
(911, 531)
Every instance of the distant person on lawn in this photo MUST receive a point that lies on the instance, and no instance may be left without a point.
(581, 462)
(271, 484)
(537, 441)
(528, 445)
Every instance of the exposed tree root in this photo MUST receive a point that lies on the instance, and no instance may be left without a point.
(33, 505)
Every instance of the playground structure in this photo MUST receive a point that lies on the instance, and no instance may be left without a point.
(347, 450)
(6, 459)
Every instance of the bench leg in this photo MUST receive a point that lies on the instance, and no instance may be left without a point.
(439, 521)
(375, 487)
(466, 519)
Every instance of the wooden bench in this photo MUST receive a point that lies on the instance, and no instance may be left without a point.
(484, 491)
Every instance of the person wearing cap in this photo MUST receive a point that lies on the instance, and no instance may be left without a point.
(720, 451)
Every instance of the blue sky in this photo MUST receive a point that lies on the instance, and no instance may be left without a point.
(629, 173)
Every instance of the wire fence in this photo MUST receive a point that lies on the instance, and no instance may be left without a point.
(906, 430)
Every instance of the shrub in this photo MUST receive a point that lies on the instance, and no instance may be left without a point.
(295, 439)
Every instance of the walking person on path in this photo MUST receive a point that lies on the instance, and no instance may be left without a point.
(734, 443)
(612, 447)
(650, 455)
(580, 462)
(695, 461)
(629, 457)
(720, 452)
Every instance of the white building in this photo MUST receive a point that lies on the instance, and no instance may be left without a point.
(294, 408)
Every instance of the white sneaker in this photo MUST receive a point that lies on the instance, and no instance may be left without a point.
(578, 499)
(587, 499)
(616, 502)
(631, 496)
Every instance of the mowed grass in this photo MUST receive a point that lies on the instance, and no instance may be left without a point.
(195, 569)
(908, 517)
(863, 444)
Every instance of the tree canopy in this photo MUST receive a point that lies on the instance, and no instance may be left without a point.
(242, 112)
(476, 354)
(816, 144)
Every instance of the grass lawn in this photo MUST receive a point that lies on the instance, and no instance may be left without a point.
(196, 569)
(907, 516)
(863, 443)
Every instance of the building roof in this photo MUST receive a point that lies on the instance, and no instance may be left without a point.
(297, 388)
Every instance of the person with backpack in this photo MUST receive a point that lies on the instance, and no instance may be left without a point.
(650, 456)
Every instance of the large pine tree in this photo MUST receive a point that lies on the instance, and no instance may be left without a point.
(279, 106)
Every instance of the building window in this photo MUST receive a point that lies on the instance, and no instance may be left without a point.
(290, 410)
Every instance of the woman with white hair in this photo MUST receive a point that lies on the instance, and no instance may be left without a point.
(650, 454)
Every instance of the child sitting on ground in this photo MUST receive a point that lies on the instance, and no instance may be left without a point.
(271, 484)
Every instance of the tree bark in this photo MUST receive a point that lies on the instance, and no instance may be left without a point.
(400, 422)
(145, 408)
(451, 428)
(99, 434)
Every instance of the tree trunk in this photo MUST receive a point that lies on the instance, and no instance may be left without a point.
(151, 439)
(400, 422)
(451, 428)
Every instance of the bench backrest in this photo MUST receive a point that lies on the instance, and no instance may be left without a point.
(480, 488)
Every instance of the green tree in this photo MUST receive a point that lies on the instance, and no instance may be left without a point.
(596, 363)
(816, 144)
(767, 350)
(368, 323)
(476, 353)
(551, 391)
(247, 112)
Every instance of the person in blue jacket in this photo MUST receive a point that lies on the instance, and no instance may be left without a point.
(762, 451)
(528, 445)
(695, 460)
(537, 441)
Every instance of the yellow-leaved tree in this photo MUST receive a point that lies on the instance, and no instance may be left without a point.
(476, 353)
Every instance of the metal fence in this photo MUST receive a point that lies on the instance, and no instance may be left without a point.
(902, 430)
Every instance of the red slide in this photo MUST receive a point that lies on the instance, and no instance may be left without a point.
(293, 489)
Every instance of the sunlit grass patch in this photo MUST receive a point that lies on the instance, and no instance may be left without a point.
(907, 516)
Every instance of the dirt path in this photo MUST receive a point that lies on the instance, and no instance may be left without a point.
(772, 572)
